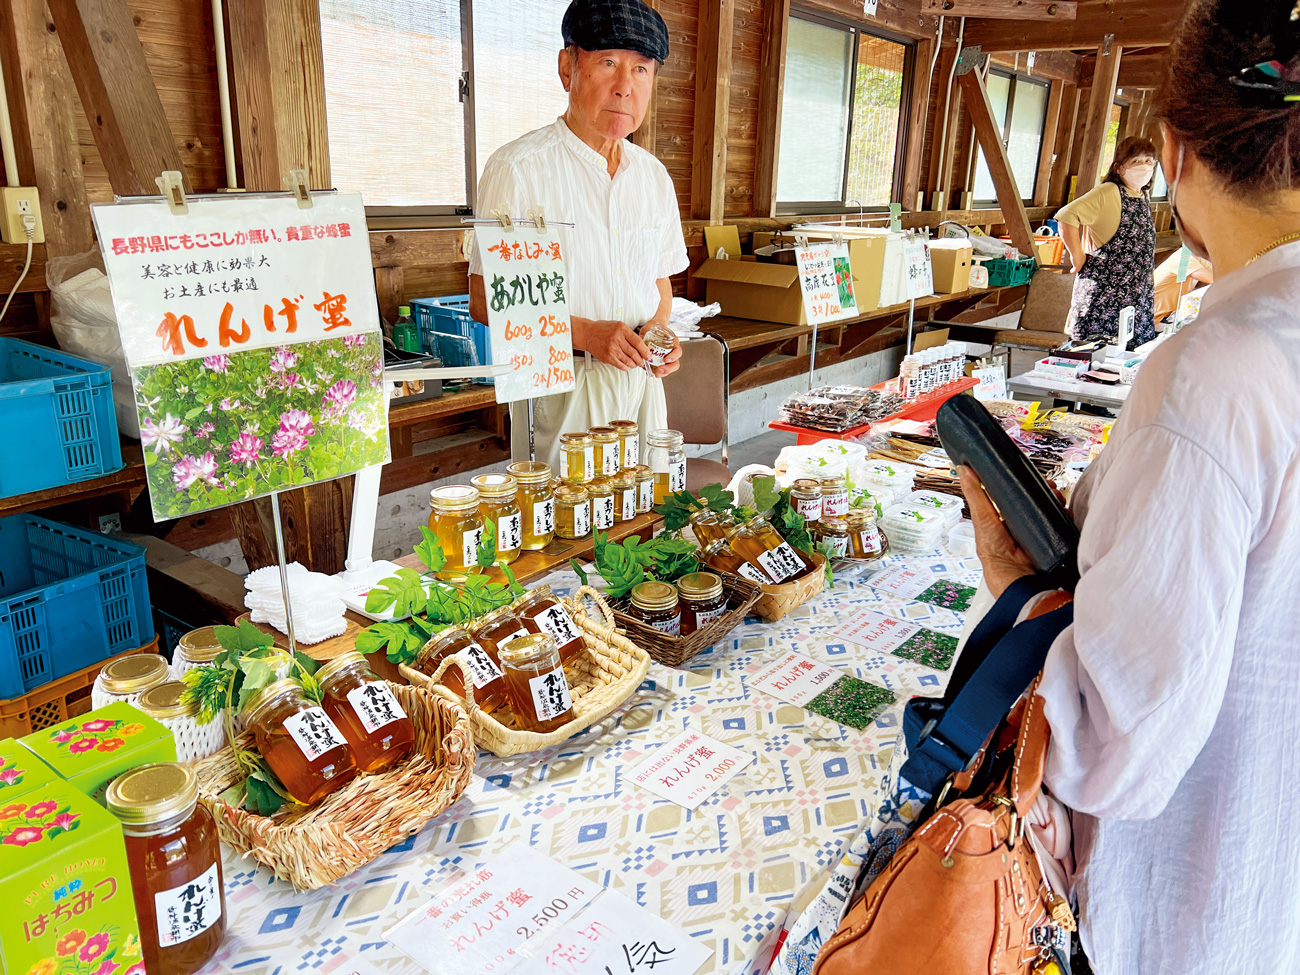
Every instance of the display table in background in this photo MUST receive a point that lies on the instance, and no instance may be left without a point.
(1076, 391)
(726, 873)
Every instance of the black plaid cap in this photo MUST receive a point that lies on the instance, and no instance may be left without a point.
(623, 25)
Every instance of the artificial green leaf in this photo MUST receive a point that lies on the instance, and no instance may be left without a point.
(244, 638)
(421, 624)
(261, 798)
(257, 675)
(405, 592)
(429, 550)
(515, 588)
(308, 664)
(582, 573)
(443, 606)
(487, 546)
(716, 498)
(766, 494)
(374, 638)
(209, 688)
(310, 687)
(620, 571)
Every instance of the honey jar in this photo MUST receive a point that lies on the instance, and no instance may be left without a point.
(864, 534)
(660, 341)
(366, 710)
(645, 489)
(126, 678)
(197, 648)
(655, 604)
(601, 490)
(628, 442)
(459, 526)
(759, 544)
(666, 456)
(806, 497)
(834, 533)
(577, 458)
(609, 453)
(484, 667)
(174, 859)
(709, 526)
(498, 628)
(702, 600)
(624, 495)
(542, 612)
(166, 704)
(536, 502)
(300, 743)
(835, 496)
(498, 500)
(572, 511)
(538, 690)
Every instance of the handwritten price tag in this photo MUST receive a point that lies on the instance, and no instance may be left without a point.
(689, 768)
(795, 678)
(826, 277)
(876, 631)
(916, 261)
(992, 382)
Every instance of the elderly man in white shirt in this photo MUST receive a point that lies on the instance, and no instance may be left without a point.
(626, 239)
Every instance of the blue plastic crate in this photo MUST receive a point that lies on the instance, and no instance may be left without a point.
(438, 319)
(57, 424)
(69, 598)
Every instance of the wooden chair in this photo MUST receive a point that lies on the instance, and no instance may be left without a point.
(1043, 319)
(697, 395)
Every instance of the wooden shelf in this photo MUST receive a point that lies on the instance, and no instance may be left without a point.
(128, 480)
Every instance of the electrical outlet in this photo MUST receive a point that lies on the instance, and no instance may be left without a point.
(110, 523)
(19, 202)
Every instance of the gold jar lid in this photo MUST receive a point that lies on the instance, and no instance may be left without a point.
(527, 649)
(495, 616)
(807, 486)
(574, 440)
(266, 695)
(700, 585)
(658, 337)
(570, 493)
(454, 497)
(152, 794)
(643, 472)
(441, 640)
(862, 517)
(600, 486)
(340, 663)
(164, 701)
(654, 595)
(130, 675)
(200, 646)
(834, 481)
(718, 546)
(530, 471)
(624, 480)
(495, 485)
(625, 428)
(833, 525)
(603, 434)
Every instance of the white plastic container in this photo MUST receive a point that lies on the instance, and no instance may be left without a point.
(961, 540)
(947, 504)
(913, 529)
(889, 481)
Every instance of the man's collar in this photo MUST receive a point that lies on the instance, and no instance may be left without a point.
(587, 154)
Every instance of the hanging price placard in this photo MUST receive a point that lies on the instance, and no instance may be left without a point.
(916, 262)
(826, 277)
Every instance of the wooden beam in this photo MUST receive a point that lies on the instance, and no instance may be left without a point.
(1065, 129)
(942, 136)
(989, 134)
(918, 109)
(771, 96)
(1134, 23)
(1049, 10)
(1098, 116)
(117, 92)
(1047, 148)
(389, 285)
(903, 16)
(712, 109)
(1141, 71)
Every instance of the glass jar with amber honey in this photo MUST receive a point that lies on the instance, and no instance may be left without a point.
(661, 342)
(771, 538)
(720, 556)
(542, 612)
(572, 511)
(609, 453)
(459, 527)
(601, 491)
(834, 533)
(498, 500)
(628, 442)
(645, 489)
(174, 859)
(536, 502)
(864, 534)
(535, 681)
(498, 628)
(577, 458)
(806, 498)
(655, 604)
(702, 600)
(666, 455)
(835, 496)
(480, 660)
(367, 712)
(299, 741)
(624, 496)
(709, 526)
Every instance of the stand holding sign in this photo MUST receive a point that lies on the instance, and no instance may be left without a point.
(826, 280)
(920, 279)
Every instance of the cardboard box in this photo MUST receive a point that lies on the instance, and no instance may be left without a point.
(747, 289)
(950, 263)
(21, 772)
(866, 256)
(91, 751)
(65, 886)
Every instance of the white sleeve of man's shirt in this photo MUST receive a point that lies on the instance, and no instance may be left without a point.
(672, 252)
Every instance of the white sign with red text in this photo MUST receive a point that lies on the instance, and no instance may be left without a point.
(689, 768)
(826, 278)
(876, 631)
(903, 581)
(795, 678)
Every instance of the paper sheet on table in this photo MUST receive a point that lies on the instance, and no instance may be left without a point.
(689, 768)
(821, 689)
(882, 633)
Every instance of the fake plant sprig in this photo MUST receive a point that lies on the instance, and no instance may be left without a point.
(678, 507)
(630, 562)
(788, 521)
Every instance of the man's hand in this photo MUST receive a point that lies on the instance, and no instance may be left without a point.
(1004, 561)
(671, 360)
(611, 342)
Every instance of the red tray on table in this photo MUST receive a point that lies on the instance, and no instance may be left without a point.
(920, 409)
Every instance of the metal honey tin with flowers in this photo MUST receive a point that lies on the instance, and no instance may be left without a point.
(66, 887)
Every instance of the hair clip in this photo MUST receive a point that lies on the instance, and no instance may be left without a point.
(1272, 77)
(1295, 12)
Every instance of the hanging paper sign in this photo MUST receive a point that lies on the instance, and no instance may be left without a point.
(916, 262)
(826, 277)
(528, 310)
(869, 7)
(252, 332)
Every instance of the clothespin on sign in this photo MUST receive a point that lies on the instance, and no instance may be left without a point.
(298, 186)
(538, 216)
(838, 240)
(172, 187)
(504, 216)
(801, 240)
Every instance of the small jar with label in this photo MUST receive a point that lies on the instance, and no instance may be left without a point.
(459, 526)
(539, 691)
(299, 741)
(577, 457)
(629, 446)
(865, 541)
(702, 600)
(498, 628)
(572, 511)
(645, 489)
(601, 491)
(197, 648)
(666, 456)
(609, 454)
(835, 496)
(536, 502)
(174, 858)
(542, 612)
(709, 526)
(655, 604)
(806, 498)
(367, 712)
(776, 543)
(624, 496)
(834, 533)
(126, 678)
(660, 341)
(166, 704)
(481, 661)
(498, 500)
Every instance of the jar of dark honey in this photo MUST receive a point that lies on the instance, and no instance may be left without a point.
(720, 556)
(542, 612)
(484, 667)
(655, 604)
(367, 712)
(535, 681)
(498, 628)
(702, 600)
(299, 741)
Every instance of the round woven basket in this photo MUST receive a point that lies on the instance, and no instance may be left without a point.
(313, 846)
(777, 601)
(602, 677)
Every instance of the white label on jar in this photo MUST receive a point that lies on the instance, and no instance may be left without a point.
(838, 544)
(555, 621)
(604, 511)
(706, 617)
(781, 563)
(550, 695)
(482, 669)
(672, 627)
(544, 517)
(835, 505)
(588, 462)
(810, 509)
(646, 501)
(375, 705)
(609, 459)
(753, 574)
(187, 910)
(870, 540)
(677, 476)
(630, 458)
(469, 542)
(314, 732)
(581, 519)
(628, 504)
(510, 532)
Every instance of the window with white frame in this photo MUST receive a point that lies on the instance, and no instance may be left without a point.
(1020, 110)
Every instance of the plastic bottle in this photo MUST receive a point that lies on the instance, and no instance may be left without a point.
(406, 337)
(909, 377)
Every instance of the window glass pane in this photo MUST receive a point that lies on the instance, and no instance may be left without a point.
(814, 113)
(999, 88)
(516, 81)
(877, 103)
(1112, 137)
(1159, 188)
(1028, 113)
(392, 71)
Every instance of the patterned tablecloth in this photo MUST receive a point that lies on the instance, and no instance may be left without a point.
(726, 873)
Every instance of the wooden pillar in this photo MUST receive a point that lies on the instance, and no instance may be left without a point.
(989, 134)
(390, 283)
(1047, 149)
(712, 110)
(918, 109)
(647, 132)
(771, 95)
(943, 138)
(1098, 117)
(1065, 129)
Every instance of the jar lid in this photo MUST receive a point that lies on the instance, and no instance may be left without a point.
(660, 336)
(833, 481)
(164, 701)
(530, 471)
(857, 516)
(130, 675)
(654, 595)
(200, 646)
(573, 493)
(836, 522)
(714, 547)
(700, 585)
(664, 438)
(335, 664)
(449, 635)
(454, 496)
(575, 439)
(704, 514)
(152, 794)
(495, 616)
(533, 595)
(600, 485)
(267, 694)
(643, 472)
(807, 485)
(603, 433)
(495, 485)
(527, 648)
(624, 427)
(624, 479)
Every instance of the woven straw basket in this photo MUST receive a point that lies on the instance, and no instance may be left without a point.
(673, 651)
(602, 677)
(777, 601)
(312, 847)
